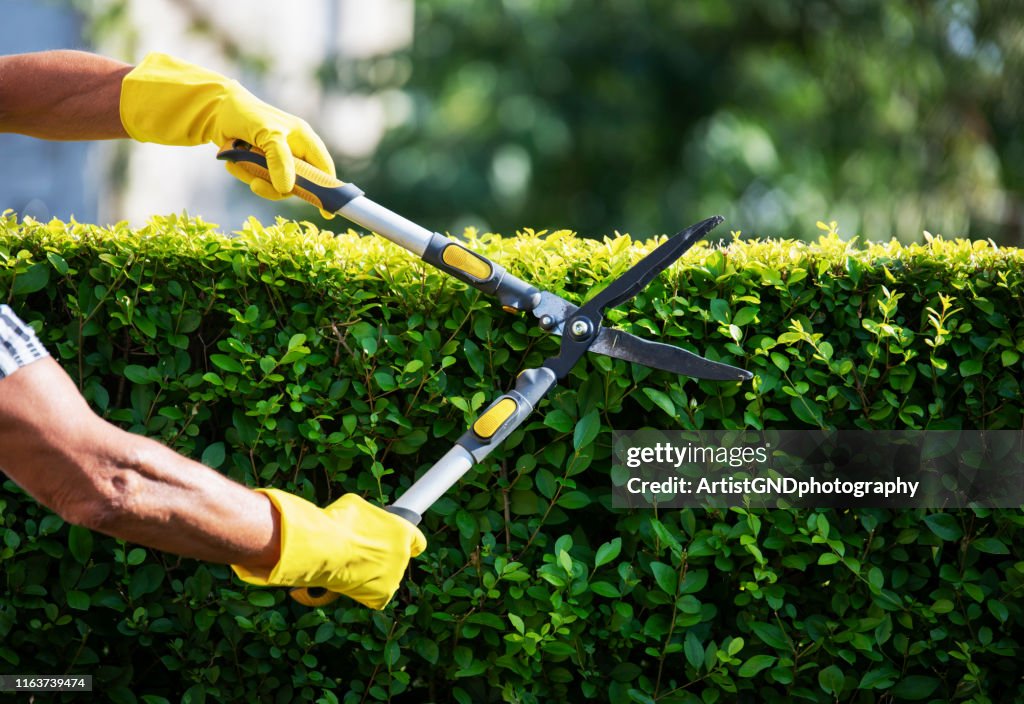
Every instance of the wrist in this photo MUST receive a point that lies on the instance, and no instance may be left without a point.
(268, 549)
(301, 528)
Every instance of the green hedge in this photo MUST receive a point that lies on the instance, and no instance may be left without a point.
(286, 357)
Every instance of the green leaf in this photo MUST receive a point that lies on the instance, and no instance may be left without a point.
(146, 580)
(204, 619)
(573, 500)
(80, 543)
(771, 635)
(744, 315)
(888, 600)
(213, 455)
(558, 648)
(944, 525)
(665, 536)
(693, 650)
(781, 361)
(854, 268)
(878, 679)
(608, 552)
(368, 343)
(876, 578)
(970, 367)
(261, 599)
(35, 279)
(831, 680)
(428, 650)
(50, 524)
(992, 546)
(147, 326)
(915, 687)
(586, 430)
(719, 310)
(57, 262)
(605, 589)
(565, 561)
(806, 410)
(78, 600)
(694, 581)
(755, 664)
(661, 400)
(545, 482)
(559, 420)
(466, 523)
(525, 503)
(474, 356)
(228, 364)
(666, 577)
(489, 620)
(735, 646)
(625, 672)
(998, 609)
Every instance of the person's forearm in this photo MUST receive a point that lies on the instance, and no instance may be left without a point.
(62, 95)
(95, 474)
(164, 500)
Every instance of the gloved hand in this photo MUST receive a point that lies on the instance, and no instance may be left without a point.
(351, 547)
(169, 101)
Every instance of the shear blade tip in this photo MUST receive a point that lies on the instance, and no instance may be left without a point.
(706, 226)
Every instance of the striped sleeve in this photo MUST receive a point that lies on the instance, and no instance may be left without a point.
(18, 343)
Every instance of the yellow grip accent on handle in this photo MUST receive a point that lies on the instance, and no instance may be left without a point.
(260, 172)
(489, 423)
(302, 168)
(311, 173)
(465, 261)
(313, 597)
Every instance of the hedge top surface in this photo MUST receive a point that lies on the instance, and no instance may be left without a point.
(547, 256)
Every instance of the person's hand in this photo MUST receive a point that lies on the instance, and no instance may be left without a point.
(351, 547)
(169, 101)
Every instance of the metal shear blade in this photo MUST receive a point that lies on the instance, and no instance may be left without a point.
(553, 313)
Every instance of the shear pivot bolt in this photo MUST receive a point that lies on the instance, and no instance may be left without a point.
(580, 329)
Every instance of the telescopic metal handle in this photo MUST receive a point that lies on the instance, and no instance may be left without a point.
(324, 191)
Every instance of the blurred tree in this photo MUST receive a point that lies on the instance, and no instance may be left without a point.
(645, 115)
(890, 117)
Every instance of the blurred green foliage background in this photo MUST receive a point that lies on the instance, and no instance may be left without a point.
(642, 116)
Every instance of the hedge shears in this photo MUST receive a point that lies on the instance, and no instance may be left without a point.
(580, 327)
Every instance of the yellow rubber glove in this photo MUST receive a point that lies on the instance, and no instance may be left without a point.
(351, 547)
(169, 101)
